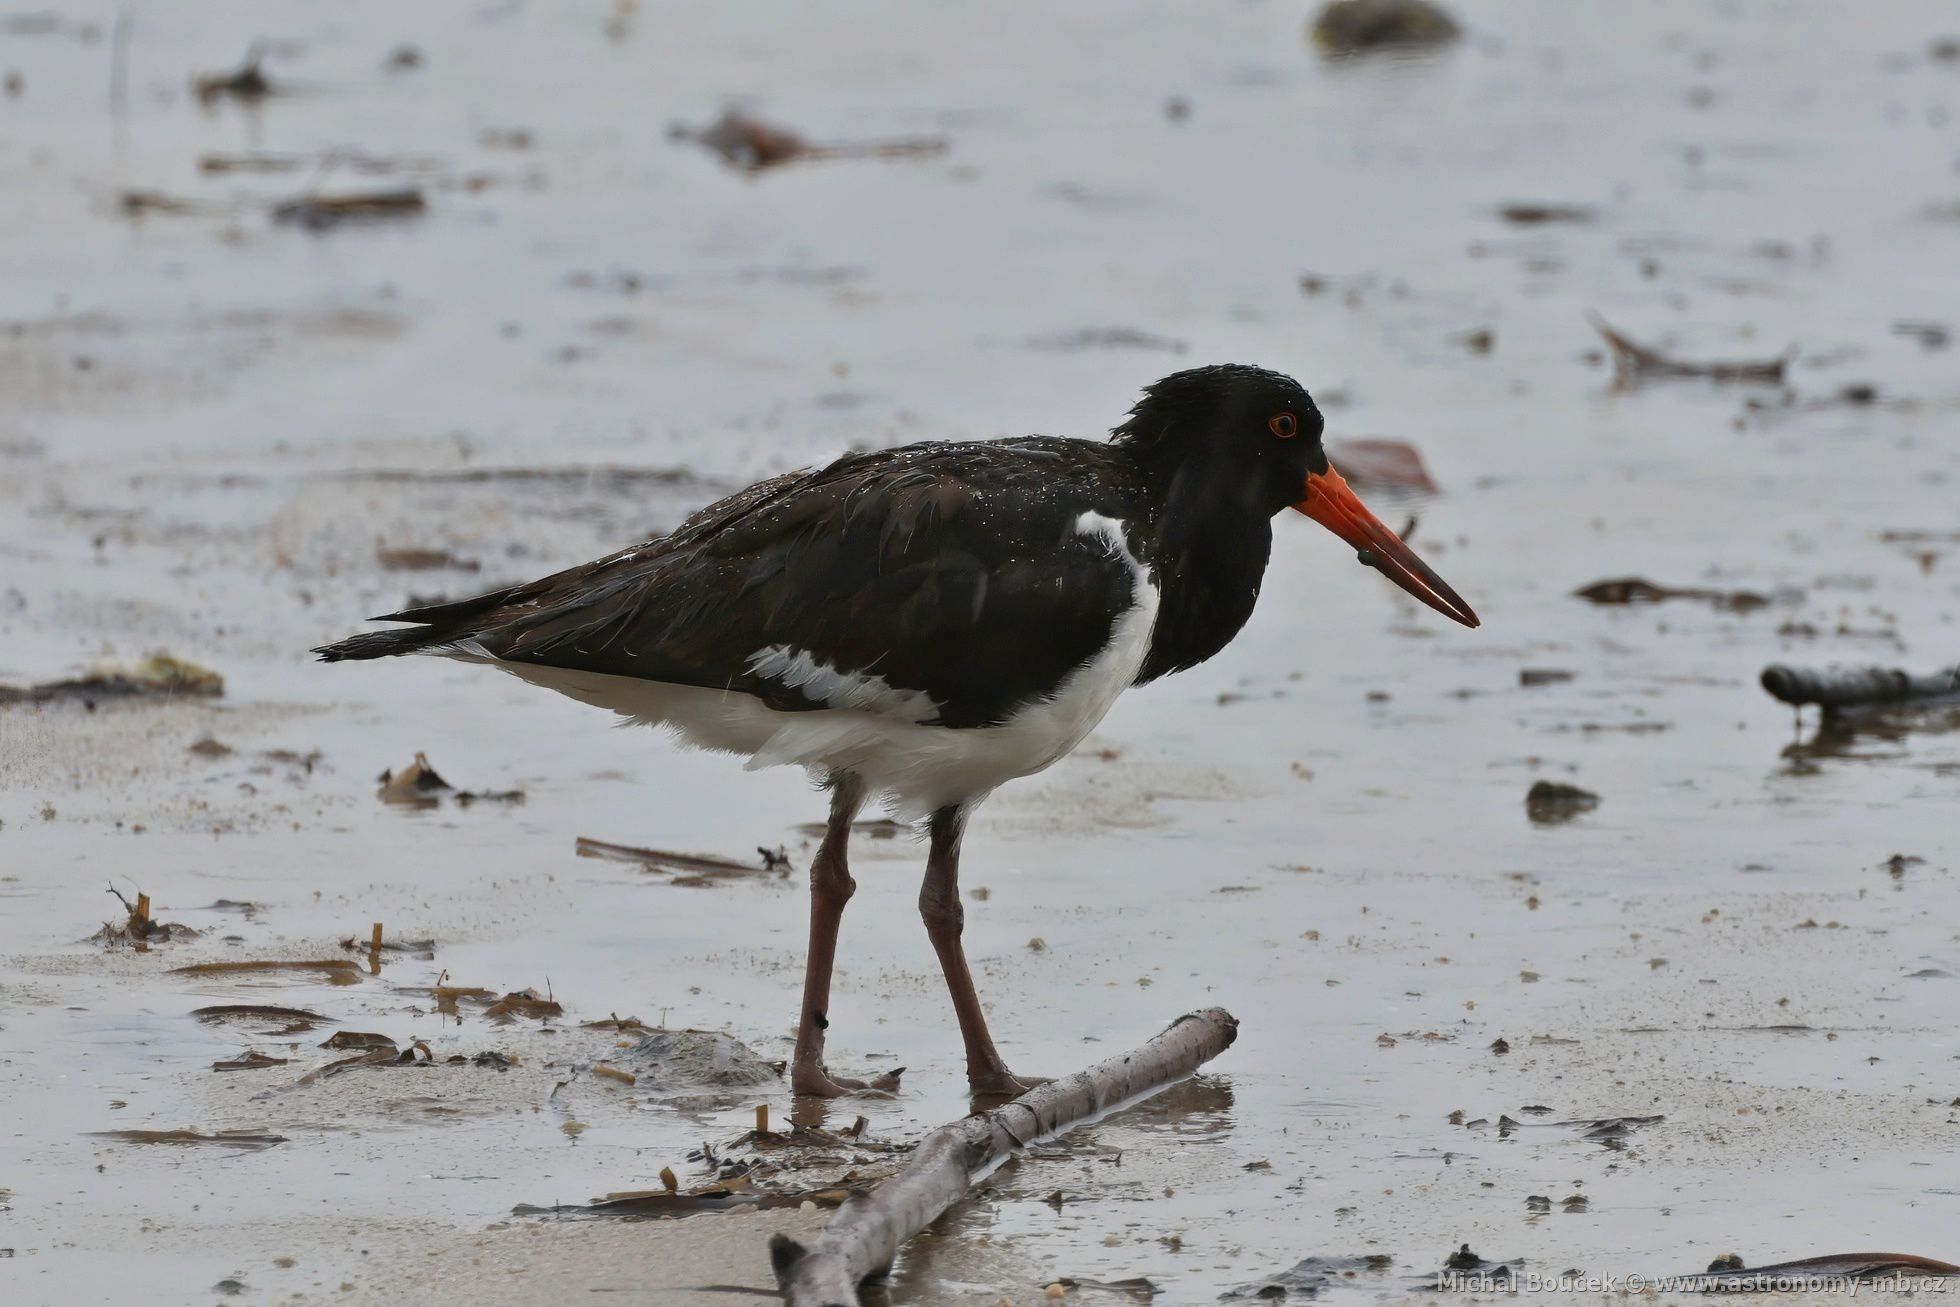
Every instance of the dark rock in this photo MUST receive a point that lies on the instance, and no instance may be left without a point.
(1551, 802)
(1350, 27)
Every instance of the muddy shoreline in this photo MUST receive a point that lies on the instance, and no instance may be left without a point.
(231, 438)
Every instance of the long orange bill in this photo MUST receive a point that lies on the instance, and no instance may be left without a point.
(1330, 503)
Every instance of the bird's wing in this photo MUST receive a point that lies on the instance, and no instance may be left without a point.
(939, 583)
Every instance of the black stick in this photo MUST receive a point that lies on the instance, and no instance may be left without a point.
(1847, 687)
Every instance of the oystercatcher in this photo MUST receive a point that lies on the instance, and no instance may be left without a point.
(921, 624)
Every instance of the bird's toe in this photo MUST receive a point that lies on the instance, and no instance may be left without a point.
(816, 1081)
(1002, 1084)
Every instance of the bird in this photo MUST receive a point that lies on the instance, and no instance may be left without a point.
(920, 625)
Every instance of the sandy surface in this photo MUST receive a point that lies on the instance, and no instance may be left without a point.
(214, 422)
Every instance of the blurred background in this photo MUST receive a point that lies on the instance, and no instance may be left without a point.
(309, 310)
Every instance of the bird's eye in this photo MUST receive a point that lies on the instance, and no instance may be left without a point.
(1283, 425)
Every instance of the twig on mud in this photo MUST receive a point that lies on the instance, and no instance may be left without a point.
(752, 145)
(867, 1231)
(1633, 362)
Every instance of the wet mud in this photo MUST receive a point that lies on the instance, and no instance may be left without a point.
(1715, 1008)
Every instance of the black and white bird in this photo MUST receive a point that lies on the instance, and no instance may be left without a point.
(922, 624)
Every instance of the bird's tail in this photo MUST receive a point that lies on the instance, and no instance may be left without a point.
(434, 626)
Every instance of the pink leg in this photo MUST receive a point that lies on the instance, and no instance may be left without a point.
(831, 888)
(939, 904)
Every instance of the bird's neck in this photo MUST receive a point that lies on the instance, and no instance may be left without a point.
(1208, 557)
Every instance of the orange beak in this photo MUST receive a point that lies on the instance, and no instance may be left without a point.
(1330, 503)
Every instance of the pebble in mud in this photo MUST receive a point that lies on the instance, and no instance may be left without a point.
(1550, 803)
(1350, 27)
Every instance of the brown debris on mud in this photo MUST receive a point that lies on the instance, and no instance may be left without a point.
(421, 949)
(778, 1169)
(321, 213)
(246, 1140)
(250, 1060)
(156, 676)
(719, 1196)
(1634, 362)
(141, 203)
(139, 929)
(695, 868)
(524, 1003)
(503, 1008)
(260, 162)
(753, 145)
(420, 785)
(1622, 590)
(246, 84)
(417, 1054)
(450, 998)
(1526, 214)
(337, 971)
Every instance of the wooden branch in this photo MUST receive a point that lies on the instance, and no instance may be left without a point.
(1847, 687)
(869, 1228)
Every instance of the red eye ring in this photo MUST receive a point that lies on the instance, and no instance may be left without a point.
(1283, 425)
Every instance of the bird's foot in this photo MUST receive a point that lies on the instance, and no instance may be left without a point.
(1001, 1083)
(811, 1078)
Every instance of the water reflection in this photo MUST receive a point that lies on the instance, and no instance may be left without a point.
(1200, 1107)
(1877, 734)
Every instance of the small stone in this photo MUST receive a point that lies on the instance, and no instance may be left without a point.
(1549, 803)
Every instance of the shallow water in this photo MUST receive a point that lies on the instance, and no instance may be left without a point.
(201, 409)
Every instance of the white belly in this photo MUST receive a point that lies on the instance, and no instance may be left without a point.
(874, 730)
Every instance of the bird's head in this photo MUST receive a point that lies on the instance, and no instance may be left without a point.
(1245, 440)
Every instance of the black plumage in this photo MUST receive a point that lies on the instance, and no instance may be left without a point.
(956, 570)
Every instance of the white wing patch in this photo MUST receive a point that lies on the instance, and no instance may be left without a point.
(799, 670)
(1110, 531)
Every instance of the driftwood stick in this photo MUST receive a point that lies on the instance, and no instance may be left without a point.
(1849, 687)
(869, 1228)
